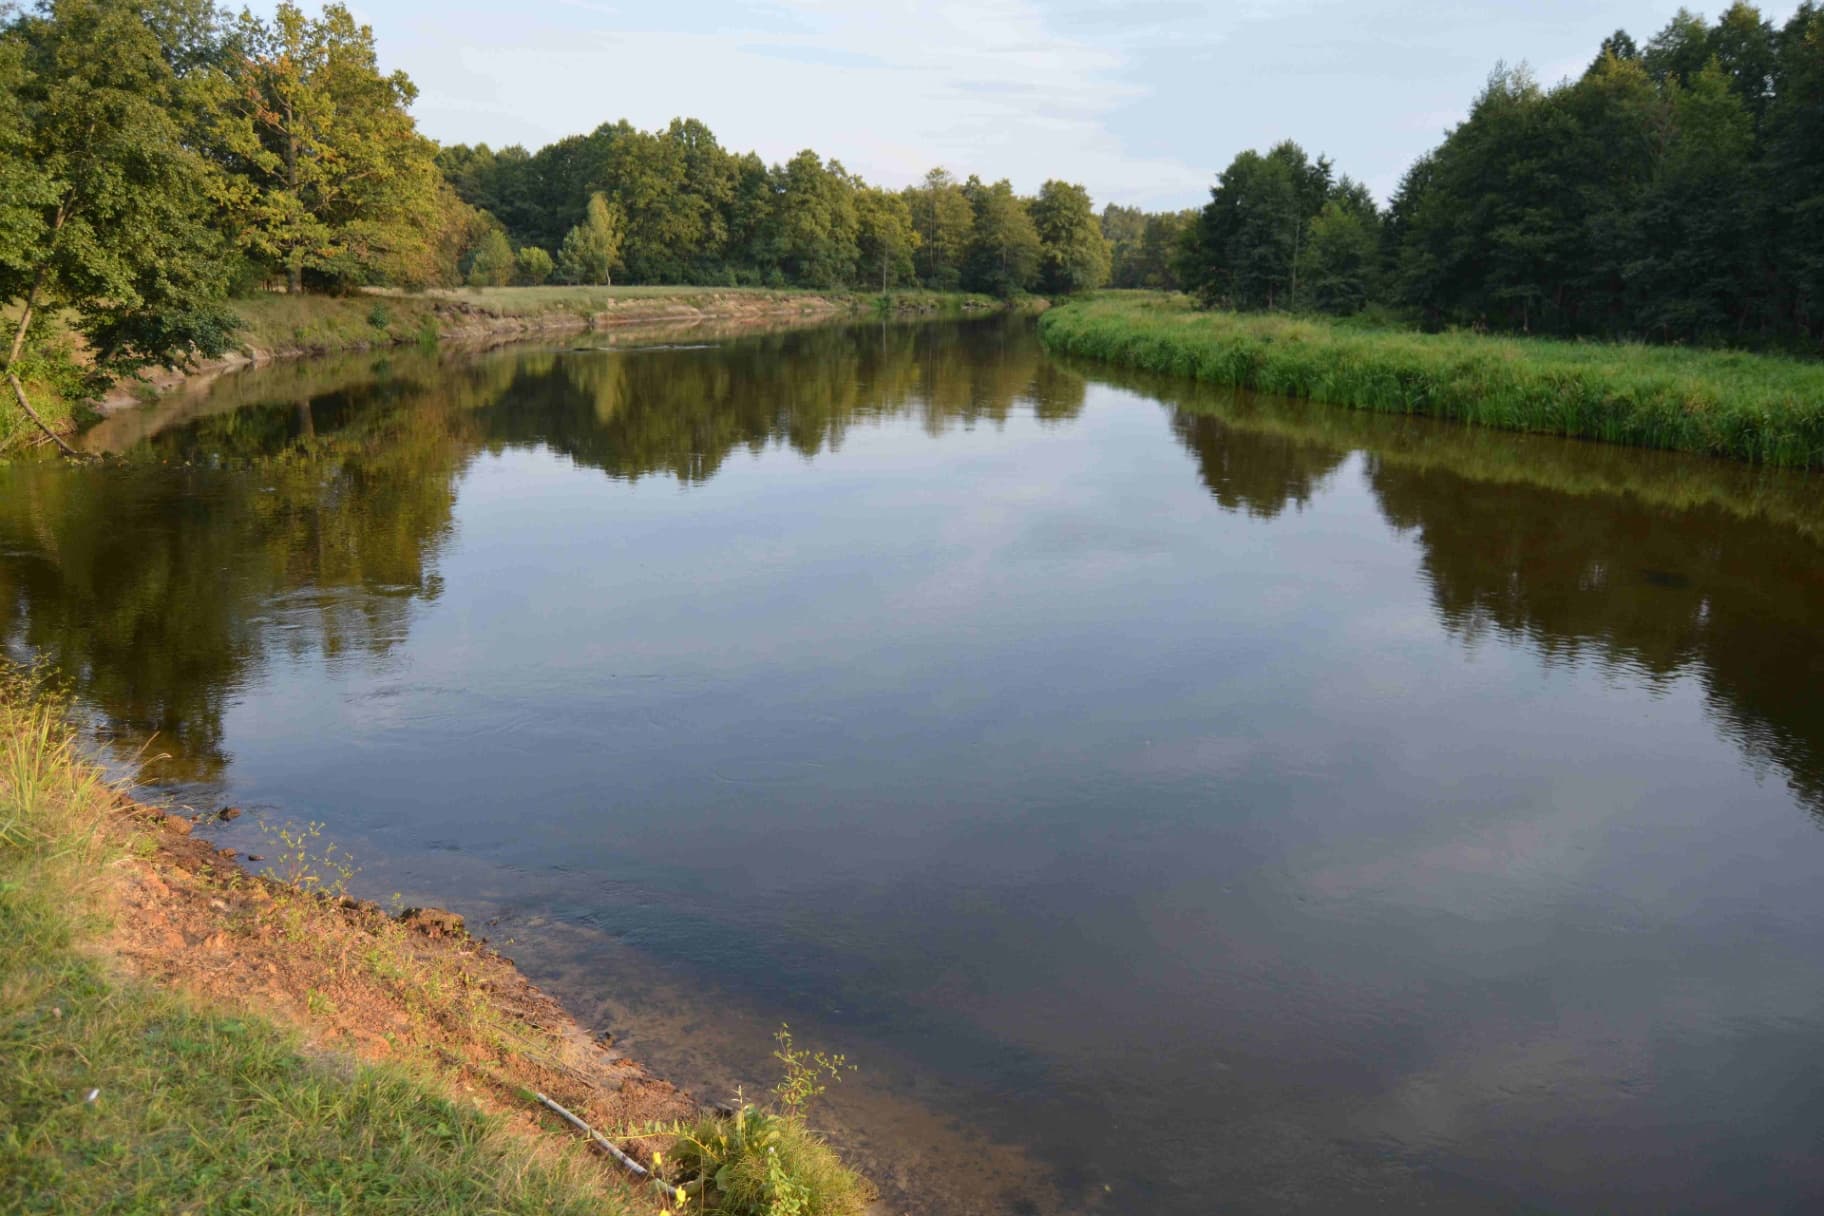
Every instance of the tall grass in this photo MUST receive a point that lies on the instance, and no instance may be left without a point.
(116, 1096)
(1758, 408)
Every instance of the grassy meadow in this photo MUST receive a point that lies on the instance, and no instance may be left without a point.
(1762, 409)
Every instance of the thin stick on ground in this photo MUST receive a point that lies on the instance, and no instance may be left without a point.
(600, 1141)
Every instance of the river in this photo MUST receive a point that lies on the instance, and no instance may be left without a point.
(1174, 801)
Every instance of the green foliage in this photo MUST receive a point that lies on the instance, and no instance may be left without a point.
(1004, 251)
(1673, 193)
(1339, 267)
(885, 235)
(103, 218)
(1670, 193)
(1756, 408)
(326, 173)
(532, 266)
(944, 218)
(1124, 228)
(298, 856)
(1073, 254)
(493, 264)
(804, 1074)
(757, 1162)
(817, 228)
(1245, 249)
(591, 249)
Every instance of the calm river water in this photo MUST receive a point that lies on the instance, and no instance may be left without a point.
(1174, 801)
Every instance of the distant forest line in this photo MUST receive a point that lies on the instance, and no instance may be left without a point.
(159, 156)
(1673, 192)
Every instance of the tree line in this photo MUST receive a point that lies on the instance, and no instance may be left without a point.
(1673, 192)
(160, 156)
(675, 206)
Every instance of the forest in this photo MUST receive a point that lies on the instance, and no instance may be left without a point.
(1674, 192)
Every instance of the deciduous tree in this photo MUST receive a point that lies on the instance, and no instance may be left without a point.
(103, 216)
(1073, 256)
(329, 175)
(592, 249)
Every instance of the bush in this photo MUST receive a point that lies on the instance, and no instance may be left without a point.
(759, 1164)
(766, 1163)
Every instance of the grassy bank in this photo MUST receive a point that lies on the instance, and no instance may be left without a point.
(177, 1035)
(1758, 408)
(320, 324)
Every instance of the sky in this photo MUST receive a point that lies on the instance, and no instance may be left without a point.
(1142, 101)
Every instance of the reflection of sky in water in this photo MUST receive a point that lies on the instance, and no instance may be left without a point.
(1179, 839)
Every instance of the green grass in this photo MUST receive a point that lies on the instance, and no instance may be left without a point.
(1758, 408)
(759, 1163)
(116, 1096)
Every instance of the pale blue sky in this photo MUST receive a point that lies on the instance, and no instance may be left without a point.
(1143, 101)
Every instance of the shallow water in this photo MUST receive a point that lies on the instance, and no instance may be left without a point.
(1175, 801)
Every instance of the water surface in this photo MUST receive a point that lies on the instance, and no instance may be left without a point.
(1176, 801)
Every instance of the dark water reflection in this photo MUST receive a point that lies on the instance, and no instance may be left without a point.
(1360, 813)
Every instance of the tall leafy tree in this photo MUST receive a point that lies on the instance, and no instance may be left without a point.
(943, 217)
(330, 177)
(1745, 48)
(1073, 254)
(1679, 51)
(493, 263)
(815, 222)
(1247, 241)
(532, 266)
(1124, 228)
(592, 249)
(1793, 172)
(1694, 259)
(1341, 257)
(886, 235)
(1004, 250)
(102, 199)
(1155, 264)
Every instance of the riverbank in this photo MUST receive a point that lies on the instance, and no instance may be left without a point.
(179, 1032)
(279, 327)
(1757, 408)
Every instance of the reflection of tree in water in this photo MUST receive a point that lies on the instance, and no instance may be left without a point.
(1258, 472)
(682, 412)
(307, 517)
(1666, 567)
(157, 590)
(1668, 593)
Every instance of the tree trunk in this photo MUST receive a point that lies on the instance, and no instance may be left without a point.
(18, 347)
(294, 259)
(26, 405)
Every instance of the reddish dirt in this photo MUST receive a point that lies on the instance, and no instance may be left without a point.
(416, 990)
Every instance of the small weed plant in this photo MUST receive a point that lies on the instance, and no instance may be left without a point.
(758, 1161)
(301, 858)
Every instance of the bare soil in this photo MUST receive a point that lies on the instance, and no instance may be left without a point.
(353, 981)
